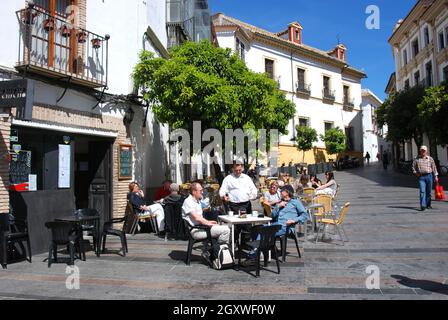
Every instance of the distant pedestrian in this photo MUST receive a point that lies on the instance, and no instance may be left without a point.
(424, 168)
(385, 160)
(367, 158)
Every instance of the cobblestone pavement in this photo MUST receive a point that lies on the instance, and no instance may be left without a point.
(384, 227)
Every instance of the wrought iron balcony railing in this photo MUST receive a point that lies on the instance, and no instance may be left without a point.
(328, 94)
(303, 88)
(348, 104)
(55, 48)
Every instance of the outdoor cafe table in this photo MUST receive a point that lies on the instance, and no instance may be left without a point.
(232, 221)
(80, 221)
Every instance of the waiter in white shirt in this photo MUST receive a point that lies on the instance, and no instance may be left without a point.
(238, 189)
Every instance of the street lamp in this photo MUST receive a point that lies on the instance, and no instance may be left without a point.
(128, 116)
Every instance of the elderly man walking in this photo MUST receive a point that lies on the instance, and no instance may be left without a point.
(424, 168)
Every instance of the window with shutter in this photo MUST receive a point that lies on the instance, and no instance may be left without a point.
(269, 67)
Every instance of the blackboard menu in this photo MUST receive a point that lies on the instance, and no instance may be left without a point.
(20, 167)
(124, 162)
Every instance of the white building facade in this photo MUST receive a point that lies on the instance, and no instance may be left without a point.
(75, 58)
(374, 137)
(420, 49)
(324, 88)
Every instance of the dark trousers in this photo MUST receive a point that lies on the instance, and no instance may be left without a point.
(236, 207)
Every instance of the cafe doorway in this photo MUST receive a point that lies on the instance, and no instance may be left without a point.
(93, 174)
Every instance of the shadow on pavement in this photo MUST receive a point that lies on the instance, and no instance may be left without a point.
(422, 284)
(408, 208)
(386, 178)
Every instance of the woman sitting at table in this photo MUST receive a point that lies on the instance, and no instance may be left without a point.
(272, 196)
(315, 182)
(137, 198)
(302, 183)
(329, 187)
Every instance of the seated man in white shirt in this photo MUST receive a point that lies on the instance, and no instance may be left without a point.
(192, 212)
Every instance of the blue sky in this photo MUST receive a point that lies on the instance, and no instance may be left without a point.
(323, 21)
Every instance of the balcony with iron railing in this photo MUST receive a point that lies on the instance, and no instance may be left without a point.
(303, 89)
(348, 104)
(53, 47)
(328, 95)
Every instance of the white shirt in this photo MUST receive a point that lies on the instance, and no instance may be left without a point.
(189, 206)
(240, 189)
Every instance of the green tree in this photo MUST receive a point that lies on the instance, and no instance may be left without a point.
(201, 82)
(401, 114)
(305, 137)
(334, 140)
(433, 111)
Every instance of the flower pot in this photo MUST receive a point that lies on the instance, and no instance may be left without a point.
(82, 37)
(48, 24)
(65, 31)
(29, 17)
(96, 43)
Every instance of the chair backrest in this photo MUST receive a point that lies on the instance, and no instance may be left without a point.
(189, 228)
(325, 200)
(267, 209)
(85, 212)
(130, 218)
(262, 180)
(267, 236)
(308, 191)
(61, 231)
(343, 212)
(173, 213)
(336, 194)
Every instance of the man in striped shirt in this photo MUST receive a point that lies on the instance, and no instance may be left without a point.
(425, 169)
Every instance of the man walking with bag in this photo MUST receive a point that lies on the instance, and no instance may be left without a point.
(424, 168)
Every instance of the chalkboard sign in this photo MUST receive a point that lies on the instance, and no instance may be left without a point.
(20, 167)
(124, 162)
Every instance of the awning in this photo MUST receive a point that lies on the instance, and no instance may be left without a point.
(61, 128)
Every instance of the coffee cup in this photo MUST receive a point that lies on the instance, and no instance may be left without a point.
(254, 214)
(230, 213)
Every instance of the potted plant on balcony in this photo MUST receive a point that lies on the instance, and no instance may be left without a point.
(65, 31)
(82, 37)
(48, 24)
(29, 16)
(96, 43)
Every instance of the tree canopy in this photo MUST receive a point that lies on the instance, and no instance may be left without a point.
(305, 137)
(433, 111)
(201, 82)
(334, 139)
(401, 114)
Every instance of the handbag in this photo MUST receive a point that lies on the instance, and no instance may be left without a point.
(440, 195)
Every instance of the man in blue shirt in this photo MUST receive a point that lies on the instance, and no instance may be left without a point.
(289, 211)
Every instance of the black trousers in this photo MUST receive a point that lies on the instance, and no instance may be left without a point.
(242, 206)
(236, 207)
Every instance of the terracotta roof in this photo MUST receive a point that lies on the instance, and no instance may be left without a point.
(222, 20)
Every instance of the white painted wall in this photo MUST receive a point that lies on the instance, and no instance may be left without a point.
(9, 31)
(372, 142)
(285, 71)
(441, 26)
(126, 29)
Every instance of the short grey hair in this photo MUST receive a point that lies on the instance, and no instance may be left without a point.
(194, 186)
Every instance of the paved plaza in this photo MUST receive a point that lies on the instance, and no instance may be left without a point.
(385, 228)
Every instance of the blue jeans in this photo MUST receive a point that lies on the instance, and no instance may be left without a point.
(425, 183)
